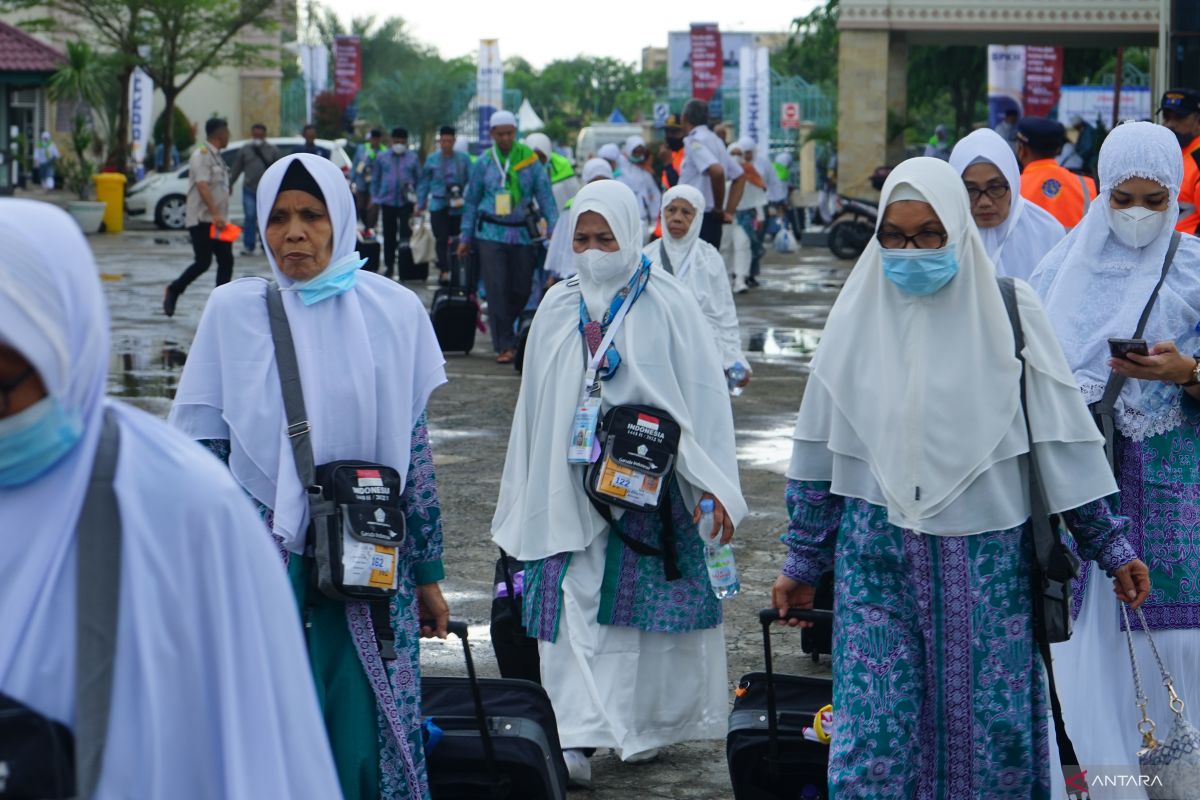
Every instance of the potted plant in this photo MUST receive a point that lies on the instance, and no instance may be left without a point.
(81, 78)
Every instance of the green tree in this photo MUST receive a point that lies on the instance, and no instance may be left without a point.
(432, 93)
(946, 82)
(386, 46)
(193, 36)
(80, 79)
(812, 49)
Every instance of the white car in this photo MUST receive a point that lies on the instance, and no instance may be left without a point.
(163, 195)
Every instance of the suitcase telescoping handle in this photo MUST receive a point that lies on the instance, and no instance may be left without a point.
(459, 629)
(768, 617)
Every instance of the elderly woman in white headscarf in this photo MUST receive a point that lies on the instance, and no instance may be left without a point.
(631, 659)
(1016, 233)
(635, 172)
(368, 361)
(912, 487)
(197, 705)
(700, 267)
(1096, 285)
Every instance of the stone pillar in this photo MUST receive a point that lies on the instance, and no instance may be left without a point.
(872, 81)
(261, 95)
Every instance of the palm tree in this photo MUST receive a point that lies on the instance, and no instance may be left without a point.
(83, 79)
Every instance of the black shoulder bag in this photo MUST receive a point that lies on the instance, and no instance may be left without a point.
(356, 519)
(638, 448)
(1105, 410)
(39, 757)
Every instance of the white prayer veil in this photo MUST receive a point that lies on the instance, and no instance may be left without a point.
(682, 251)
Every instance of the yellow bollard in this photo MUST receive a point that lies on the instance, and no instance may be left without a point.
(110, 189)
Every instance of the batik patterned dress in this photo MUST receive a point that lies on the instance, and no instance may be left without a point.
(372, 708)
(939, 689)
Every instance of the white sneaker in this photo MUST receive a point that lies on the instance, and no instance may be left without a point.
(579, 769)
(739, 286)
(644, 757)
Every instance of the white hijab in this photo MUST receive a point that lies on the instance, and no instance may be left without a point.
(1095, 287)
(200, 705)
(914, 402)
(368, 362)
(1018, 243)
(682, 251)
(668, 361)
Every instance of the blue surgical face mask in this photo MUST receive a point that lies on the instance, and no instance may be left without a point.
(34, 440)
(337, 278)
(920, 272)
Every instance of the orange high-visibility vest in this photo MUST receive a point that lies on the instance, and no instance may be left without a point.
(676, 164)
(1058, 190)
(1189, 190)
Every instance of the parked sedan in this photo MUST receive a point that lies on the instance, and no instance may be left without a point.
(163, 195)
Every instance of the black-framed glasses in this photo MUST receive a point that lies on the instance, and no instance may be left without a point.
(7, 388)
(925, 240)
(992, 190)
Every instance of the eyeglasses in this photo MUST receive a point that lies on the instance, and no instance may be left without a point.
(8, 388)
(925, 240)
(992, 190)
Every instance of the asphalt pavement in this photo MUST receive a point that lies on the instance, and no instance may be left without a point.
(469, 421)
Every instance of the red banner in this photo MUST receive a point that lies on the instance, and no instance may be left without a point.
(1043, 80)
(347, 67)
(706, 60)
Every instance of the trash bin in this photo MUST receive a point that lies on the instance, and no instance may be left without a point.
(110, 189)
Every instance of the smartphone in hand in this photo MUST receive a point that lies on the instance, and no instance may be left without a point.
(1121, 348)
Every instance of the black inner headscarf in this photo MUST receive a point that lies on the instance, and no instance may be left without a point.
(299, 179)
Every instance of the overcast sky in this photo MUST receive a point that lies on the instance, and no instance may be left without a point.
(544, 31)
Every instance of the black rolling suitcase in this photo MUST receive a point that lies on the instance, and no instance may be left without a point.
(818, 641)
(524, 323)
(516, 653)
(454, 309)
(407, 269)
(499, 737)
(369, 249)
(769, 757)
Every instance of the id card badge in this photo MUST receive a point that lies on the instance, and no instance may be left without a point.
(503, 204)
(583, 431)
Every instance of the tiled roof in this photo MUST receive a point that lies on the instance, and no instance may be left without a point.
(20, 52)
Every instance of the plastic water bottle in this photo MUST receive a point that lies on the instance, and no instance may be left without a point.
(1158, 395)
(736, 374)
(722, 571)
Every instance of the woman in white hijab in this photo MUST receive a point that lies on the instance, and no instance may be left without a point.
(199, 705)
(631, 660)
(1015, 232)
(368, 361)
(907, 479)
(560, 259)
(635, 174)
(700, 267)
(1096, 284)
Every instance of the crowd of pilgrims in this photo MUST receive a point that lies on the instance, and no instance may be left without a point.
(906, 478)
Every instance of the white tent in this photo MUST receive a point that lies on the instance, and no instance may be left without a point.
(527, 119)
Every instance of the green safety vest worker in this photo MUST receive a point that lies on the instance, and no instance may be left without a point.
(782, 172)
(560, 168)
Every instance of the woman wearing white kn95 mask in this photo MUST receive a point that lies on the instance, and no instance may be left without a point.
(1124, 273)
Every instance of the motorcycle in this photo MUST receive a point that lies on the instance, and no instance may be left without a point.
(854, 220)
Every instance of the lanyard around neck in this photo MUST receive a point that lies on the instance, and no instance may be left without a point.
(507, 163)
(633, 290)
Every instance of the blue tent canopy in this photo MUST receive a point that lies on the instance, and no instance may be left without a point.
(617, 116)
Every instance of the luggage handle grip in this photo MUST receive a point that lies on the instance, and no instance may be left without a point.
(819, 615)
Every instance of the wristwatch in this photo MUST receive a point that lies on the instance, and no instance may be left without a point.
(1195, 374)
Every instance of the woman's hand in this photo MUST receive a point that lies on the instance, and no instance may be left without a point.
(1165, 363)
(788, 593)
(1131, 583)
(722, 524)
(432, 606)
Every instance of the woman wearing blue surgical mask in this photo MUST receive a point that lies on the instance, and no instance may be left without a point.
(197, 703)
(907, 481)
(368, 361)
(1096, 285)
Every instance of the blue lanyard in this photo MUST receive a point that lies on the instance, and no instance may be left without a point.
(630, 292)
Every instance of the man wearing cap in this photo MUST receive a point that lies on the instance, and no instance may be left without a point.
(635, 173)
(1180, 109)
(394, 179)
(564, 183)
(706, 166)
(364, 166)
(1043, 181)
(441, 188)
(498, 219)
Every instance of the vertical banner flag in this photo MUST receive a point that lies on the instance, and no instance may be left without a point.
(347, 67)
(489, 82)
(754, 88)
(1006, 81)
(141, 111)
(706, 60)
(1043, 79)
(314, 69)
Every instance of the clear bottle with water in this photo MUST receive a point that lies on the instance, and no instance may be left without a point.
(722, 570)
(735, 375)
(1157, 395)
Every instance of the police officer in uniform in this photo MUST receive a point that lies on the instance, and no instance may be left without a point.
(1043, 181)
(1180, 110)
